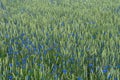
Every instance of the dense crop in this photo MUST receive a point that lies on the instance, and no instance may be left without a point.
(59, 39)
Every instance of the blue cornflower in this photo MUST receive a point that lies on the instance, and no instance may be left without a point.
(49, 48)
(54, 68)
(58, 49)
(56, 77)
(15, 22)
(23, 61)
(47, 34)
(34, 48)
(92, 71)
(16, 42)
(10, 48)
(71, 72)
(6, 36)
(118, 66)
(72, 34)
(17, 64)
(41, 58)
(12, 40)
(27, 77)
(23, 42)
(10, 77)
(45, 52)
(38, 64)
(92, 22)
(106, 67)
(23, 66)
(42, 68)
(2, 6)
(29, 42)
(88, 49)
(34, 34)
(72, 58)
(109, 76)
(62, 24)
(16, 52)
(22, 34)
(115, 78)
(105, 70)
(117, 10)
(93, 37)
(110, 35)
(40, 46)
(10, 65)
(104, 33)
(90, 65)
(51, 1)
(79, 78)
(64, 71)
(27, 47)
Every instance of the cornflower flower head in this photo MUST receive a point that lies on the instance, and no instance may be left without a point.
(64, 71)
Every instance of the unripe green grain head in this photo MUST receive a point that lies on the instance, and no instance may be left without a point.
(2, 51)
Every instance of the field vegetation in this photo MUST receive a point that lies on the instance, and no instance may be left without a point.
(59, 40)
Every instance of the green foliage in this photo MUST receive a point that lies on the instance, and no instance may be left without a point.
(69, 34)
(2, 51)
